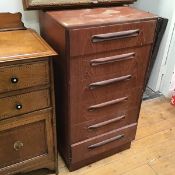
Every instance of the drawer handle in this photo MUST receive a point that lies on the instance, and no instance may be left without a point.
(112, 59)
(18, 145)
(115, 35)
(19, 106)
(96, 126)
(108, 103)
(14, 80)
(110, 81)
(106, 141)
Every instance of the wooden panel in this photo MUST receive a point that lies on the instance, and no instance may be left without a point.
(25, 139)
(21, 45)
(24, 103)
(125, 67)
(92, 93)
(10, 21)
(47, 4)
(100, 125)
(15, 77)
(94, 17)
(102, 143)
(102, 39)
(92, 104)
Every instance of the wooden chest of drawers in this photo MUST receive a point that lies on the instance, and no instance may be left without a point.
(105, 55)
(27, 109)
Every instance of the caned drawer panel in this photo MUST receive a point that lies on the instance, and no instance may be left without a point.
(24, 103)
(125, 68)
(89, 104)
(111, 37)
(101, 125)
(24, 139)
(24, 76)
(102, 143)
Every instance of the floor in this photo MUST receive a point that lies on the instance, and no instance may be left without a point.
(153, 151)
(150, 94)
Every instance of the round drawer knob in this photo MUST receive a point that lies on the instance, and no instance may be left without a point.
(18, 145)
(14, 80)
(18, 106)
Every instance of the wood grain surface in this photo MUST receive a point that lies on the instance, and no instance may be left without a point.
(97, 93)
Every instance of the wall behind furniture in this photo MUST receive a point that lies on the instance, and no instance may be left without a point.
(160, 79)
(30, 18)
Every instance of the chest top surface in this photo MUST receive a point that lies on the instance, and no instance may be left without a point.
(22, 44)
(99, 16)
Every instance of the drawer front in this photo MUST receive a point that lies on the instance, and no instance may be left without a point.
(100, 144)
(102, 125)
(24, 103)
(24, 76)
(125, 68)
(88, 104)
(112, 37)
(24, 139)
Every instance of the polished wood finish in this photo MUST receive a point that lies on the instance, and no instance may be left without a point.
(61, 4)
(27, 112)
(100, 75)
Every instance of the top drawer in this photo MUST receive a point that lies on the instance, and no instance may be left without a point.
(21, 76)
(106, 38)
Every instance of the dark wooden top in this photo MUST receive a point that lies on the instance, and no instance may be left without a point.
(99, 16)
(22, 44)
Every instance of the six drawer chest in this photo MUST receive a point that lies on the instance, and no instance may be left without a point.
(100, 75)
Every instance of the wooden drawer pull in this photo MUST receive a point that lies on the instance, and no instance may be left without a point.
(106, 141)
(115, 35)
(108, 103)
(112, 59)
(110, 81)
(96, 126)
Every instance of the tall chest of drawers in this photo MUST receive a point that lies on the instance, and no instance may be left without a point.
(104, 59)
(27, 109)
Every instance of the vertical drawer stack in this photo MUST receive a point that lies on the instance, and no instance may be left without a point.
(105, 55)
(27, 117)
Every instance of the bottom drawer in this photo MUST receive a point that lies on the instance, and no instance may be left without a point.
(103, 143)
(26, 138)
